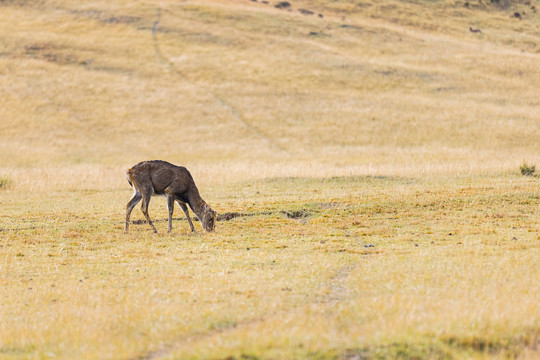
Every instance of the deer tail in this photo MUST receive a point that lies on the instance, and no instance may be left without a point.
(128, 178)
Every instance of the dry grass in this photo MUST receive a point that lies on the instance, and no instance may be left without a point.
(393, 87)
(366, 165)
(310, 268)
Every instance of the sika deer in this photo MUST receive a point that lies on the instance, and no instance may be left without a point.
(158, 177)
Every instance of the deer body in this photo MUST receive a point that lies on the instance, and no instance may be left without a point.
(157, 177)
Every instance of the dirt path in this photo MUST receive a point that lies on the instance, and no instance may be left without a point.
(337, 292)
(336, 285)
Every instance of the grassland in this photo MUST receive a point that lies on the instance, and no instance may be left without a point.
(364, 163)
(394, 87)
(308, 268)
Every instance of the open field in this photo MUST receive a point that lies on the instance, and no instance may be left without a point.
(391, 87)
(363, 157)
(308, 268)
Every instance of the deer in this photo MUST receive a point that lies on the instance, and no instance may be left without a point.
(158, 177)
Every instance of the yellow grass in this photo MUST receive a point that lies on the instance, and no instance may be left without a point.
(365, 164)
(375, 266)
(386, 88)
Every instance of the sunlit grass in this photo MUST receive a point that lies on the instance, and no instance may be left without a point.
(366, 163)
(388, 87)
(350, 265)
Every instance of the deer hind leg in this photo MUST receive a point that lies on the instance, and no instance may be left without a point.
(186, 211)
(146, 195)
(170, 207)
(130, 205)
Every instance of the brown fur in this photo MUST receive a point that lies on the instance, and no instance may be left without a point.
(157, 177)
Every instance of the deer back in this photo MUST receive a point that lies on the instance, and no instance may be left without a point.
(164, 175)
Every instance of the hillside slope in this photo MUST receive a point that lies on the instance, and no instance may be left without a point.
(393, 87)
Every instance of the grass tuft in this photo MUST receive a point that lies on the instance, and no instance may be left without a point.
(527, 170)
(5, 182)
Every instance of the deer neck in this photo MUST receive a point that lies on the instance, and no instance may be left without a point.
(197, 204)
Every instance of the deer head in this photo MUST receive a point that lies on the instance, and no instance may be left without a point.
(208, 220)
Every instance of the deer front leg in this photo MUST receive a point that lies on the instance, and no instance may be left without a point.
(130, 205)
(170, 207)
(186, 211)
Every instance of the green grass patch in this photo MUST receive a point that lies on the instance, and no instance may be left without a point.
(5, 182)
(327, 268)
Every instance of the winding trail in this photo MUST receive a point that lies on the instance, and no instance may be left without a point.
(337, 288)
(337, 292)
(219, 99)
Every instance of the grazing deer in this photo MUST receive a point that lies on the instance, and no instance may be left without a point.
(158, 177)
